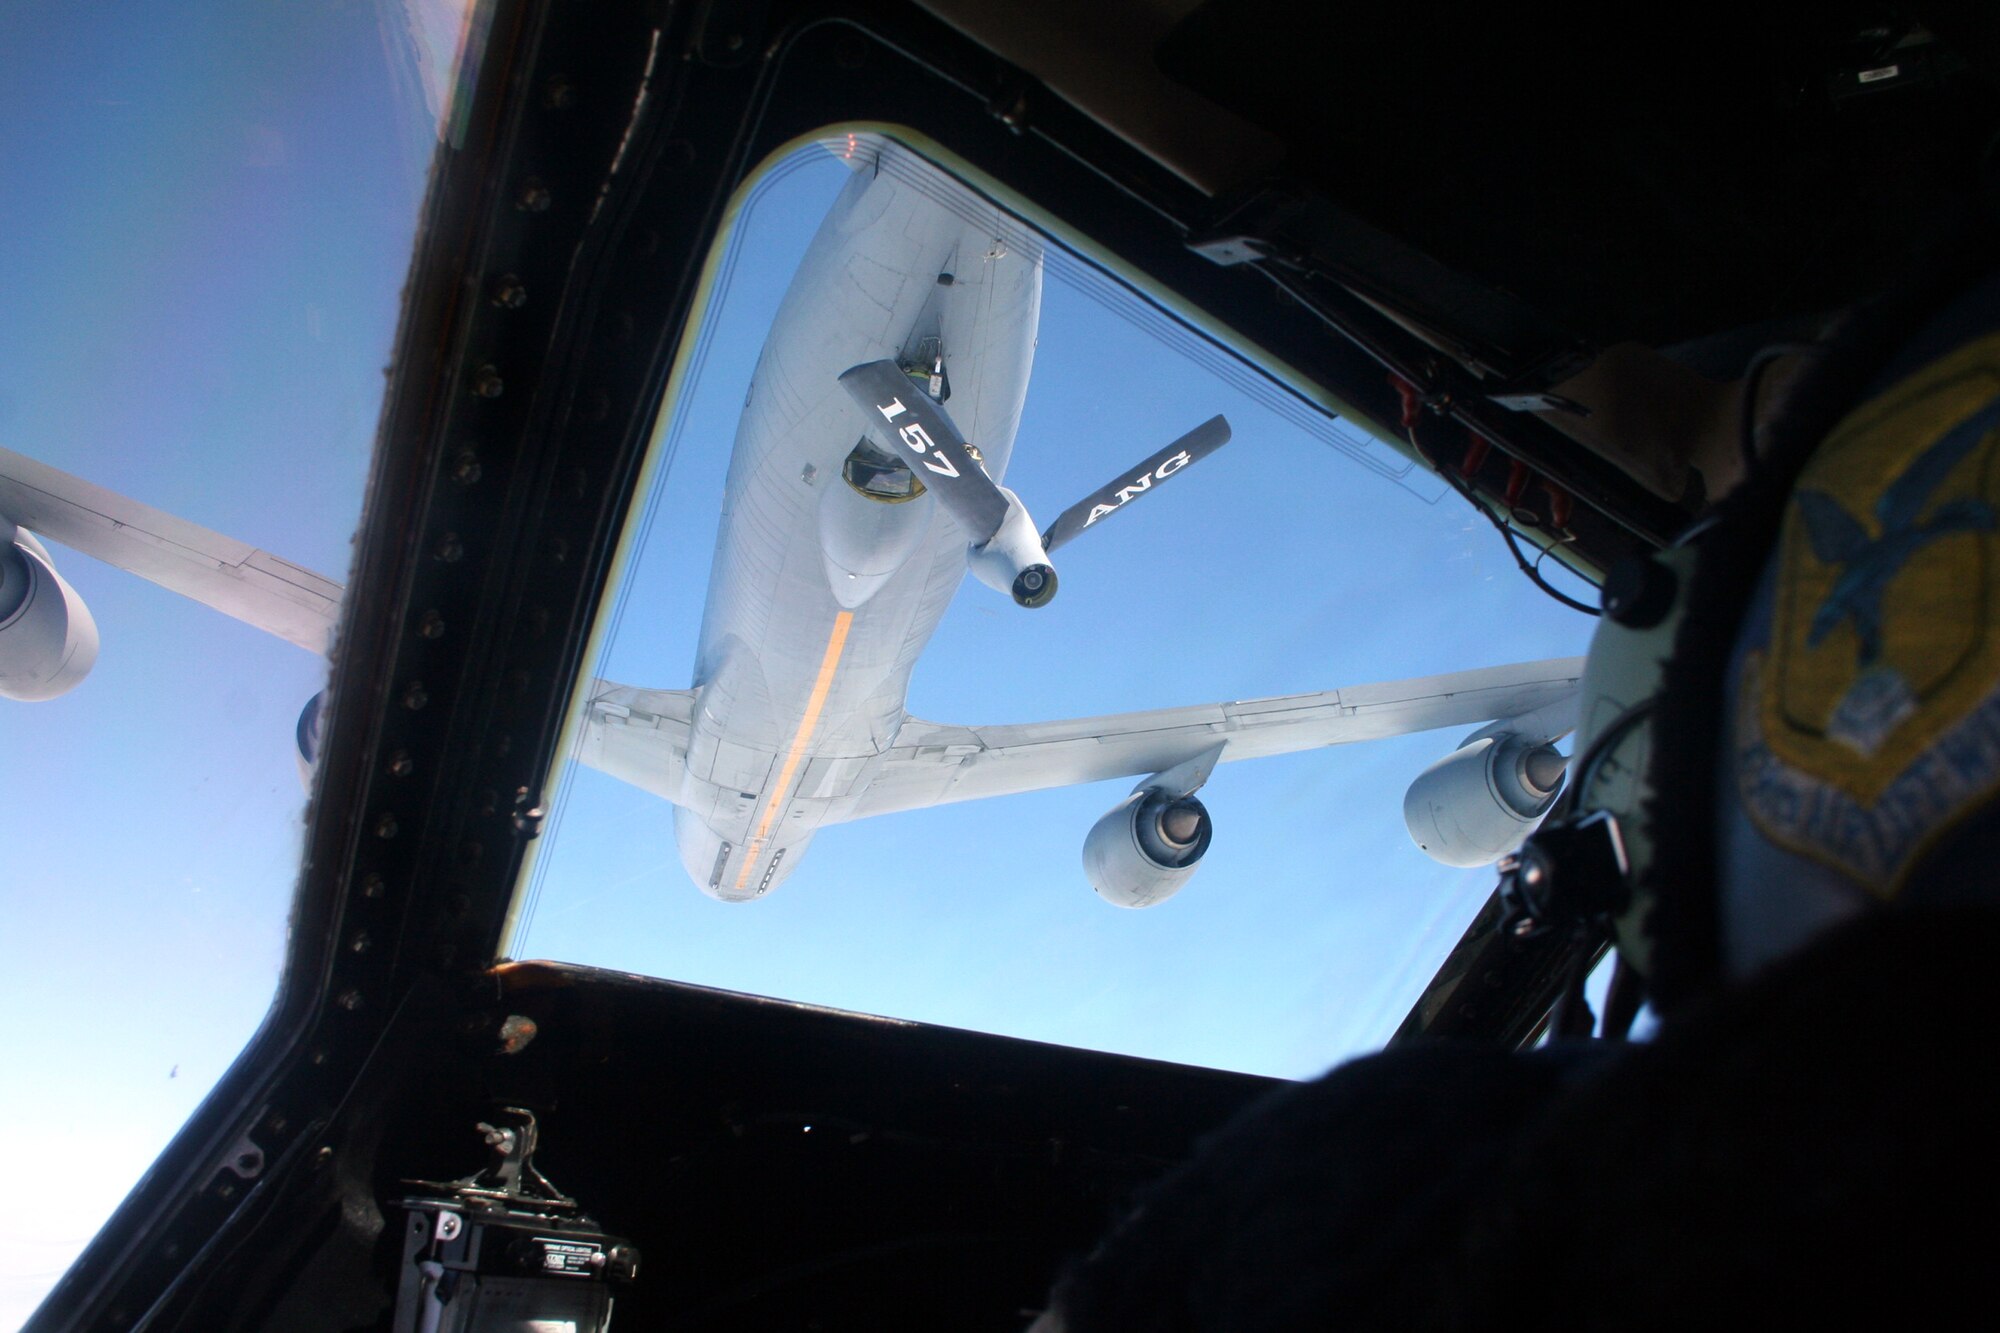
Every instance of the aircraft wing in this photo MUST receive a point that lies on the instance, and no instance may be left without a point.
(932, 764)
(638, 736)
(254, 586)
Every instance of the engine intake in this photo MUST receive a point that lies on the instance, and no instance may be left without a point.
(1146, 847)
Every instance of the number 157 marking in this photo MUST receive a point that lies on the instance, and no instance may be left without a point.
(918, 440)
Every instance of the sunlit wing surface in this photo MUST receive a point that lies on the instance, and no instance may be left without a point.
(640, 736)
(238, 580)
(932, 764)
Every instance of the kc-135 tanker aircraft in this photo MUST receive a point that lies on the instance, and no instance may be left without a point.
(865, 482)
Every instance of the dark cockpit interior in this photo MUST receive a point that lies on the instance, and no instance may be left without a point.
(1539, 255)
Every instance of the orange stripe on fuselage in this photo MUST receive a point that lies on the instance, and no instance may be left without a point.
(800, 740)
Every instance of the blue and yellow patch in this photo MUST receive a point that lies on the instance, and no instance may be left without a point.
(1871, 721)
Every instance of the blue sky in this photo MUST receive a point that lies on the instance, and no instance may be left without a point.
(1280, 565)
(205, 216)
(207, 212)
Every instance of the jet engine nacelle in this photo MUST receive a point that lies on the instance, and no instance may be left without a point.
(307, 738)
(1475, 805)
(1013, 560)
(1146, 847)
(48, 641)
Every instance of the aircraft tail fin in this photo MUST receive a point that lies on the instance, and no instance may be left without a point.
(638, 736)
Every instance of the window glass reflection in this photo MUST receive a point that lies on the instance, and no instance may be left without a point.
(209, 211)
(819, 762)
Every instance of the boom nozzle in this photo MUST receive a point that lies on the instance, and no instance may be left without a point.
(1035, 586)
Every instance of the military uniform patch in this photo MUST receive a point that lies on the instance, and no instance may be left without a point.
(1871, 719)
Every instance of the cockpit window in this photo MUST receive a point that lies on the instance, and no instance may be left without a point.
(1060, 749)
(210, 209)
